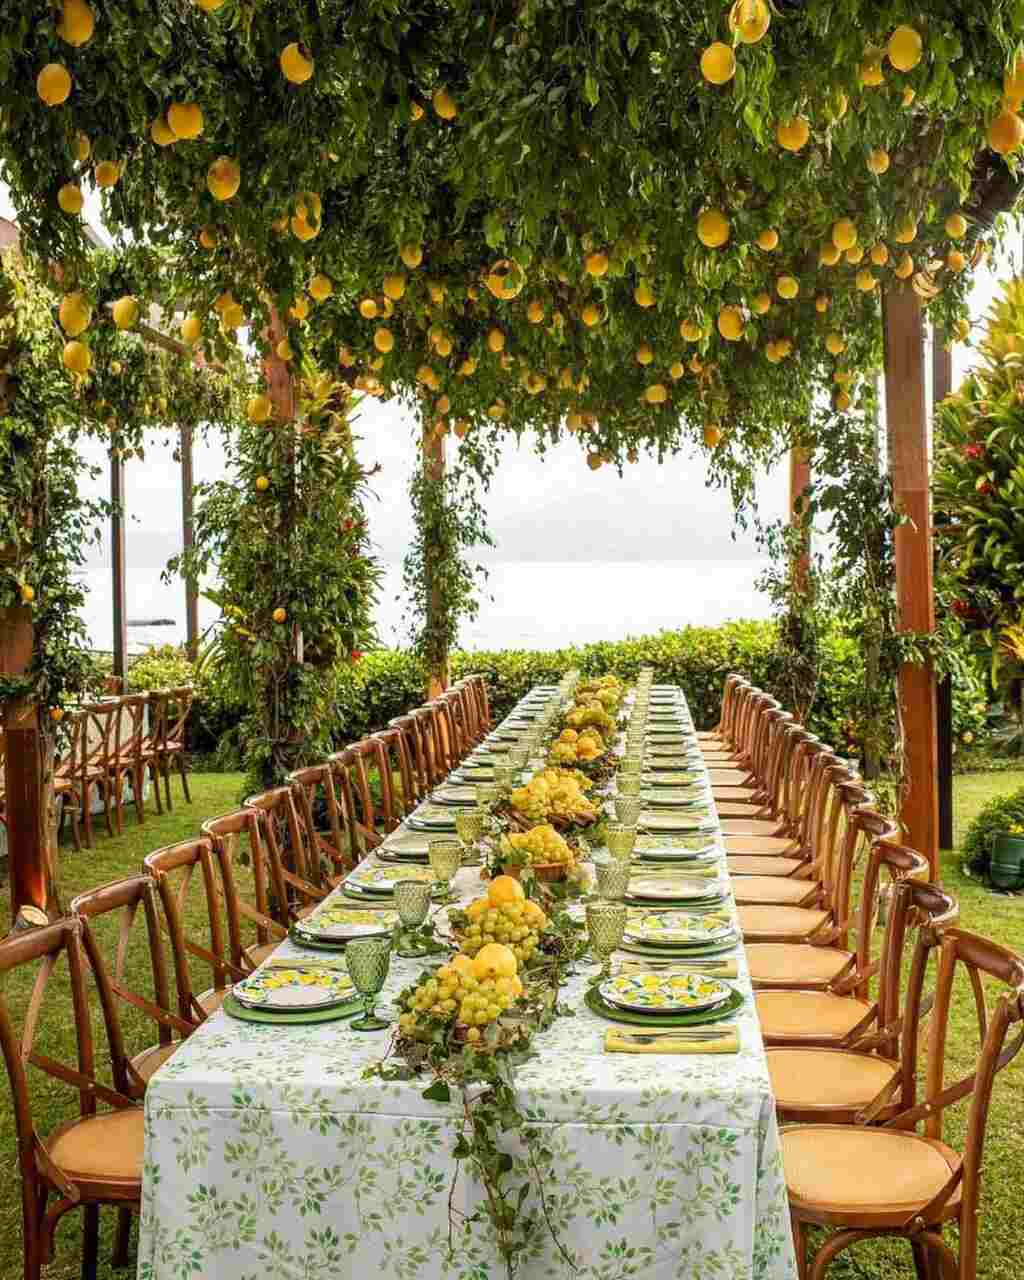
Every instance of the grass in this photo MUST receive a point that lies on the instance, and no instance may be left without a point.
(996, 916)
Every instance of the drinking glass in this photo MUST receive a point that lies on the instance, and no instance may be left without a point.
(631, 764)
(505, 775)
(627, 809)
(628, 784)
(412, 902)
(606, 923)
(469, 827)
(368, 961)
(487, 795)
(612, 878)
(620, 839)
(445, 857)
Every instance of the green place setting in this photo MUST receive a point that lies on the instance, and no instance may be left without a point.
(694, 1018)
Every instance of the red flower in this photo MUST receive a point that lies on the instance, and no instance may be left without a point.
(974, 451)
(356, 656)
(348, 526)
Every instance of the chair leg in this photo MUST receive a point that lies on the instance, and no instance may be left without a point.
(799, 1245)
(165, 769)
(87, 813)
(138, 785)
(104, 786)
(923, 1268)
(183, 770)
(90, 1241)
(122, 1239)
(154, 778)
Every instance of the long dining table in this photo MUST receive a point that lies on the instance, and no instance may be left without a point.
(270, 1155)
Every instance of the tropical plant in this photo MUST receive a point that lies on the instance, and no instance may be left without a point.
(1004, 814)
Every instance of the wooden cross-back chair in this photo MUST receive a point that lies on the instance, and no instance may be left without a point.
(730, 763)
(172, 710)
(132, 757)
(396, 764)
(447, 734)
(720, 733)
(298, 868)
(476, 685)
(257, 921)
(188, 880)
(412, 730)
(94, 1158)
(324, 840)
(786, 853)
(92, 771)
(65, 784)
(358, 806)
(871, 1079)
(901, 1178)
(761, 797)
(729, 742)
(459, 707)
(433, 745)
(134, 903)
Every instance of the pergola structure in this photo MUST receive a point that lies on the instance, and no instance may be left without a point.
(640, 227)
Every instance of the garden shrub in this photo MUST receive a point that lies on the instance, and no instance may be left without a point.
(1003, 814)
(163, 667)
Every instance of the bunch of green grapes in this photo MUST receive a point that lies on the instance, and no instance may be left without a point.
(518, 924)
(555, 793)
(453, 995)
(540, 844)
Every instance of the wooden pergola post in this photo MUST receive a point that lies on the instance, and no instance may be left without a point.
(117, 558)
(188, 539)
(942, 385)
(799, 479)
(907, 429)
(434, 470)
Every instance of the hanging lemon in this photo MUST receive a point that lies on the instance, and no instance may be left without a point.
(394, 285)
(878, 161)
(792, 134)
(904, 48)
(712, 434)
(690, 330)
(865, 280)
(495, 341)
(53, 84)
(296, 63)
(596, 264)
(854, 255)
(75, 314)
(822, 303)
(321, 287)
(185, 119)
(828, 255)
(844, 233)
(749, 19)
(223, 178)
(657, 393)
(713, 228)
(956, 226)
(905, 267)
(730, 323)
(191, 329)
(718, 63)
(259, 408)
(444, 104)
(76, 23)
(906, 232)
(676, 370)
(70, 198)
(77, 357)
(768, 240)
(643, 295)
(1006, 132)
(955, 260)
(879, 254)
(644, 353)
(787, 287)
(835, 343)
(762, 303)
(383, 340)
(126, 312)
(591, 315)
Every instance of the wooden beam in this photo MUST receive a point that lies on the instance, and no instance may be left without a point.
(117, 558)
(942, 385)
(188, 539)
(907, 430)
(434, 470)
(25, 809)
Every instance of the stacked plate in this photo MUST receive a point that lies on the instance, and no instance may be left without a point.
(439, 819)
(335, 923)
(676, 934)
(670, 848)
(672, 889)
(658, 821)
(305, 993)
(455, 795)
(664, 992)
(371, 883)
(404, 846)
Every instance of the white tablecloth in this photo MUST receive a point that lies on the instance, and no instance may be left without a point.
(270, 1157)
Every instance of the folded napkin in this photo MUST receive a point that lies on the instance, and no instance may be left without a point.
(661, 870)
(725, 967)
(663, 1042)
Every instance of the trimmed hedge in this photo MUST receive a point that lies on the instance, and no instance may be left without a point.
(1003, 814)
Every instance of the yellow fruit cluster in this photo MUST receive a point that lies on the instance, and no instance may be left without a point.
(574, 748)
(591, 715)
(608, 690)
(554, 793)
(541, 844)
(455, 993)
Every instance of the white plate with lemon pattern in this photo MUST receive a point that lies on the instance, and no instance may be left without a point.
(664, 993)
(304, 987)
(339, 922)
(384, 879)
(677, 928)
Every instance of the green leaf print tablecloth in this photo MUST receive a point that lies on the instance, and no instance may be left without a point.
(269, 1157)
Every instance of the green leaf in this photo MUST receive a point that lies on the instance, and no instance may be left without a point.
(438, 1092)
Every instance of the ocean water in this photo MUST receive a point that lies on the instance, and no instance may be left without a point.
(535, 605)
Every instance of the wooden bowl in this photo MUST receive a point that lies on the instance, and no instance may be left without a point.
(546, 871)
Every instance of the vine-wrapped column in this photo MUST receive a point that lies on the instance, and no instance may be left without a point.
(799, 479)
(436, 620)
(908, 463)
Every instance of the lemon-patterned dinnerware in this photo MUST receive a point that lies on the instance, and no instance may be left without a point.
(383, 879)
(677, 928)
(304, 987)
(337, 921)
(674, 888)
(664, 993)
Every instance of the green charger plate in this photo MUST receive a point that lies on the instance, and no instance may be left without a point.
(690, 955)
(232, 1007)
(696, 1018)
(301, 940)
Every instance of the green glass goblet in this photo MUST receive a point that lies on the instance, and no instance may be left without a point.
(368, 961)
(469, 827)
(621, 840)
(445, 857)
(628, 784)
(487, 796)
(505, 775)
(627, 809)
(631, 765)
(412, 902)
(612, 878)
(606, 923)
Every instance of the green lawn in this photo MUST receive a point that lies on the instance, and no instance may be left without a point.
(1000, 917)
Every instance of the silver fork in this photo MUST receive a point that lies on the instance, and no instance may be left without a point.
(652, 1037)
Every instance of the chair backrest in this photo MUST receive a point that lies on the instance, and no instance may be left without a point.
(476, 685)
(412, 731)
(433, 746)
(888, 863)
(177, 708)
(396, 768)
(1001, 1036)
(100, 733)
(133, 724)
(251, 881)
(323, 847)
(290, 856)
(358, 808)
(195, 916)
(131, 901)
(849, 840)
(732, 699)
(455, 704)
(45, 949)
(447, 734)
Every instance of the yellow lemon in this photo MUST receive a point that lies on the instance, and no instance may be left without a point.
(223, 178)
(865, 280)
(496, 411)
(768, 239)
(676, 370)
(77, 357)
(394, 285)
(70, 198)
(844, 233)
(643, 295)
(718, 63)
(296, 63)
(879, 254)
(591, 315)
(262, 483)
(904, 48)
(657, 393)
(955, 260)
(750, 19)
(76, 23)
(535, 311)
(284, 351)
(713, 228)
(416, 111)
(1006, 132)
(854, 255)
(53, 84)
(279, 614)
(690, 330)
(299, 309)
(787, 287)
(162, 133)
(107, 173)
(185, 119)
(208, 238)
(444, 104)
(835, 343)
(75, 313)
(878, 160)
(82, 147)
(793, 134)
(821, 303)
(730, 323)
(321, 287)
(828, 255)
(908, 96)
(191, 329)
(495, 341)
(126, 312)
(384, 340)
(596, 264)
(259, 408)
(906, 232)
(712, 434)
(956, 226)
(842, 401)
(871, 72)
(644, 353)
(368, 308)
(762, 303)
(411, 254)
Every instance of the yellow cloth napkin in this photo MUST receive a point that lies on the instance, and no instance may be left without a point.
(724, 968)
(661, 870)
(621, 1042)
